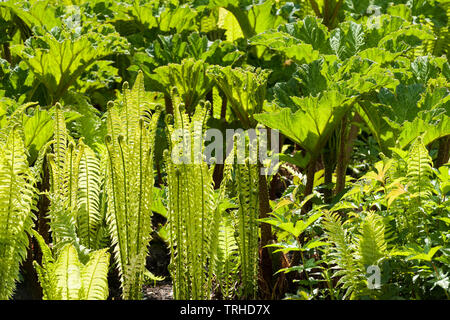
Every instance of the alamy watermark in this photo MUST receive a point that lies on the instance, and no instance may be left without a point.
(373, 277)
(235, 146)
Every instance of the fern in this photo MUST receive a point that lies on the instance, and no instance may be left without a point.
(63, 226)
(247, 181)
(371, 243)
(227, 266)
(191, 206)
(63, 161)
(89, 214)
(419, 171)
(353, 255)
(16, 204)
(66, 278)
(408, 186)
(45, 271)
(64, 165)
(342, 254)
(94, 283)
(75, 210)
(130, 145)
(67, 274)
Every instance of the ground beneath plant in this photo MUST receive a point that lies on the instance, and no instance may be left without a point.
(162, 291)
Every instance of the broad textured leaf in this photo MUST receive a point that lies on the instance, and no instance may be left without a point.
(312, 123)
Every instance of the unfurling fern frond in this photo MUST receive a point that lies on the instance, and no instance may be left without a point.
(130, 179)
(16, 203)
(192, 208)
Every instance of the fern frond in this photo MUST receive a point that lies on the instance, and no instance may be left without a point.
(247, 189)
(130, 146)
(419, 171)
(16, 203)
(63, 227)
(227, 265)
(46, 271)
(89, 187)
(342, 254)
(247, 186)
(94, 282)
(67, 273)
(64, 277)
(60, 145)
(192, 206)
(371, 244)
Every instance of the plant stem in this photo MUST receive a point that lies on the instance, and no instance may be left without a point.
(266, 230)
(345, 149)
(311, 170)
(306, 272)
(168, 103)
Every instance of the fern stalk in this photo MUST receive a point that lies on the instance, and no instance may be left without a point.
(130, 144)
(191, 206)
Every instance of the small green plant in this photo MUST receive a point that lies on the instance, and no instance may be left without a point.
(354, 254)
(247, 182)
(228, 259)
(63, 277)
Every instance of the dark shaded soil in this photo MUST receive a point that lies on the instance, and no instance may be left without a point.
(158, 258)
(162, 291)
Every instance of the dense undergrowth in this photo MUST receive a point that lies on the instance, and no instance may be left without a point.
(114, 136)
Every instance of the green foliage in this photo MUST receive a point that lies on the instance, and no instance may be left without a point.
(189, 78)
(130, 144)
(64, 166)
(247, 182)
(254, 19)
(16, 203)
(64, 277)
(353, 256)
(191, 206)
(312, 123)
(227, 258)
(358, 89)
(59, 57)
(245, 90)
(89, 212)
(419, 171)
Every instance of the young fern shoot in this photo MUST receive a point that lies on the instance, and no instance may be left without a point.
(247, 186)
(191, 206)
(130, 146)
(64, 166)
